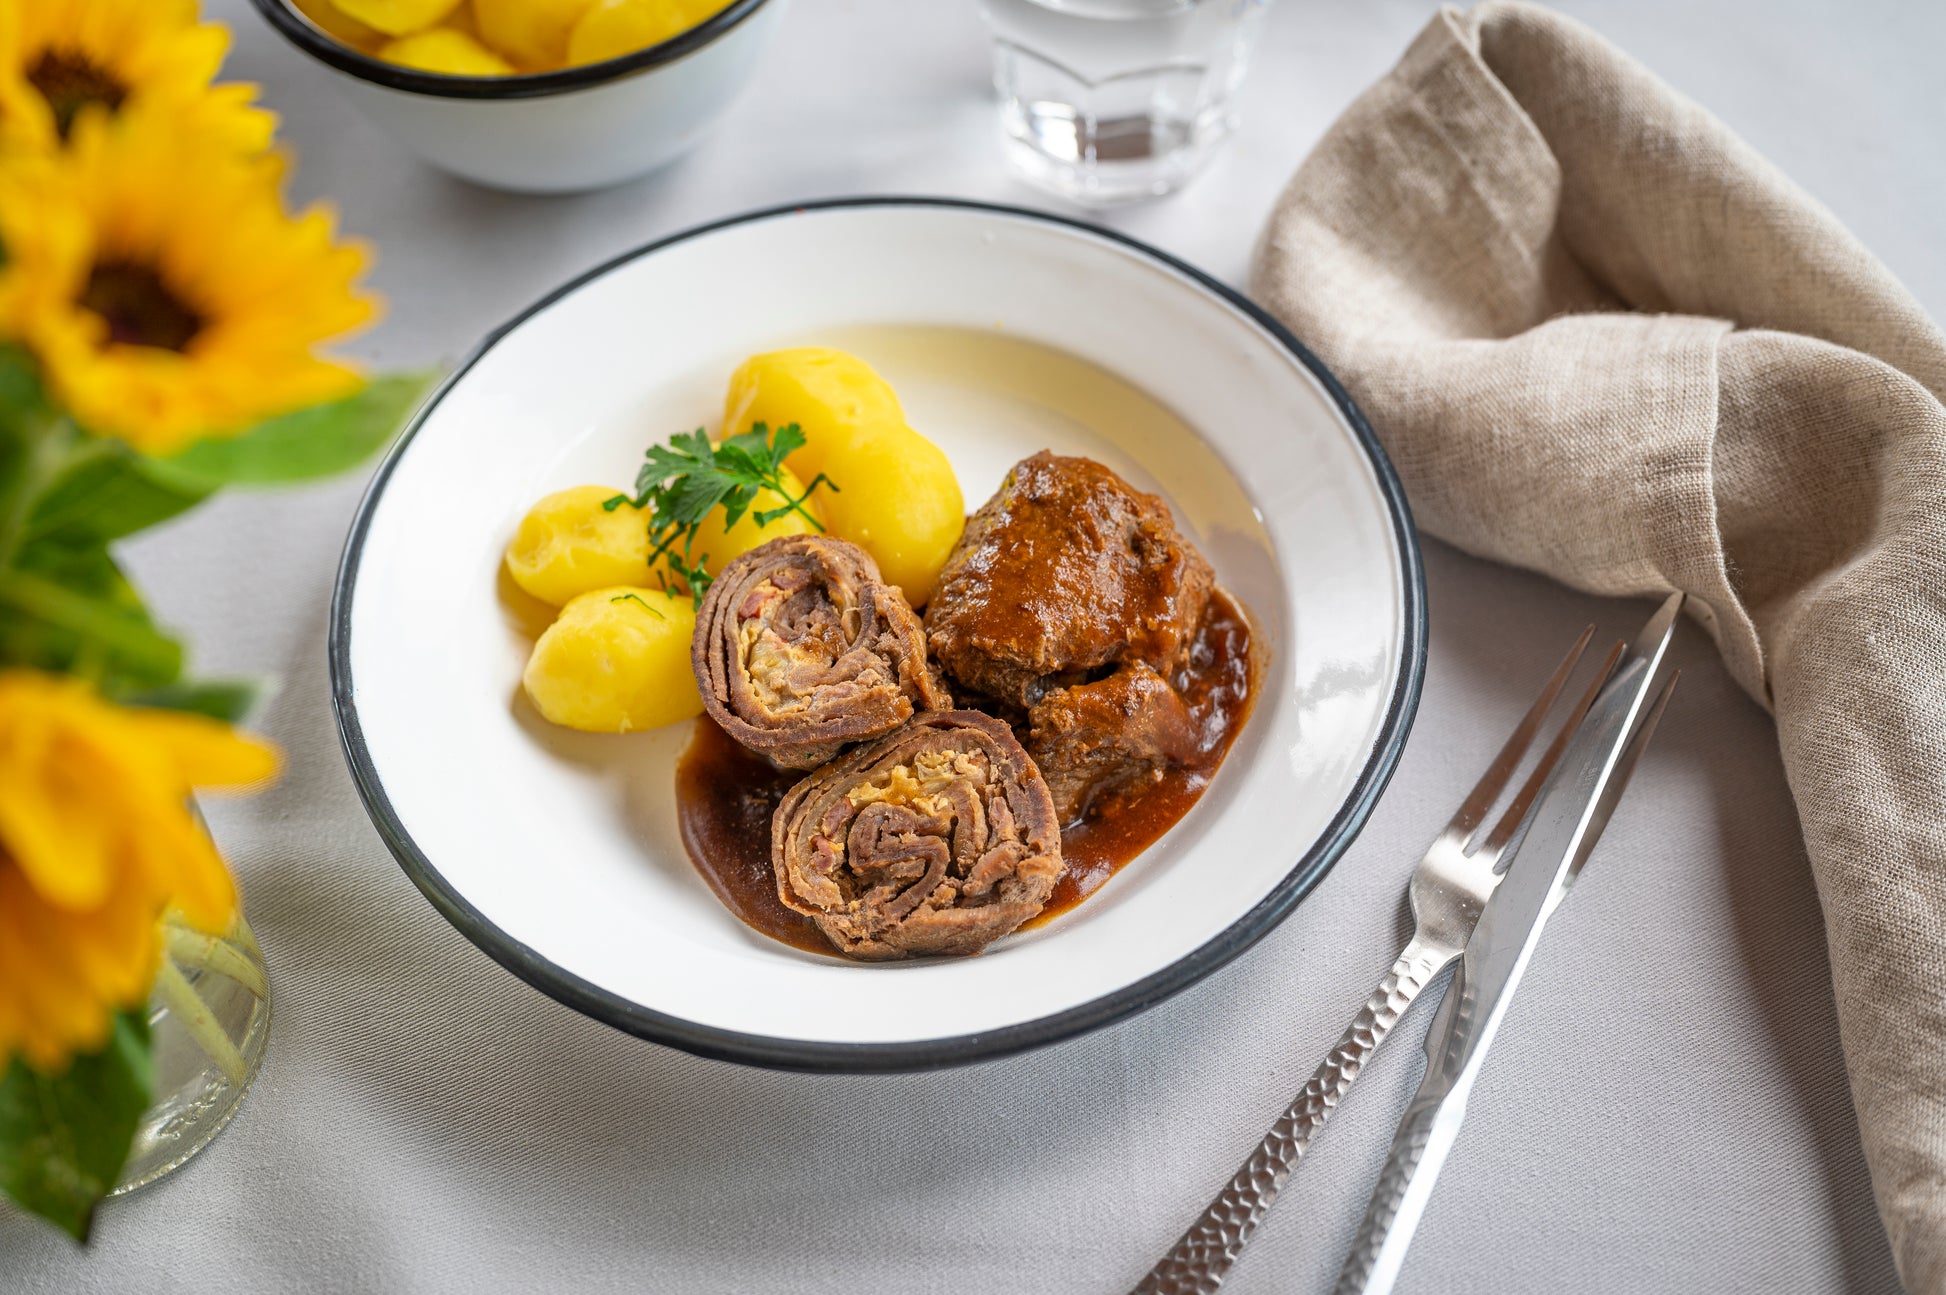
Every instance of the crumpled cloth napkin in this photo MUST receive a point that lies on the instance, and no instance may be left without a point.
(1603, 339)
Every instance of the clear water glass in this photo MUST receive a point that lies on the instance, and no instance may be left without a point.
(1108, 101)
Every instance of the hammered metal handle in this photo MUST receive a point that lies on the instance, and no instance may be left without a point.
(1198, 1262)
(1408, 1149)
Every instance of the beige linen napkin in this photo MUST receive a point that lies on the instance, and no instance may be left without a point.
(1602, 338)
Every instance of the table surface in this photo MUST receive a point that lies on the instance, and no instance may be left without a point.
(1667, 1109)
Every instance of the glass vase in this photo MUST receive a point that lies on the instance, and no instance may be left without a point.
(209, 1017)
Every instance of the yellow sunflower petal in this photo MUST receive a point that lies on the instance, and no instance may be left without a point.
(54, 755)
(61, 1016)
(47, 248)
(103, 955)
(97, 840)
(56, 844)
(182, 859)
(206, 752)
(229, 117)
(115, 948)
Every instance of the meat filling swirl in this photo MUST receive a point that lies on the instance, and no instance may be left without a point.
(936, 839)
(802, 649)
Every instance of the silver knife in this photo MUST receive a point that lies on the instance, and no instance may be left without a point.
(1568, 819)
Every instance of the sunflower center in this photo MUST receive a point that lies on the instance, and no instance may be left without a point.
(138, 306)
(70, 82)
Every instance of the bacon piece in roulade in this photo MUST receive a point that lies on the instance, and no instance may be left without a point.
(801, 650)
(937, 839)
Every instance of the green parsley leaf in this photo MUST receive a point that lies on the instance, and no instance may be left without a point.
(681, 482)
(756, 441)
(638, 600)
(789, 439)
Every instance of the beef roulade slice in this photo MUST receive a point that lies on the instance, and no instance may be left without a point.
(937, 839)
(801, 650)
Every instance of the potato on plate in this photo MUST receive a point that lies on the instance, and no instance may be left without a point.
(897, 496)
(616, 661)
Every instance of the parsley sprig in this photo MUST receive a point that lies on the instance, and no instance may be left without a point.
(639, 601)
(681, 482)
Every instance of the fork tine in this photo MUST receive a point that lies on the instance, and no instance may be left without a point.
(1474, 808)
(1624, 770)
(1516, 812)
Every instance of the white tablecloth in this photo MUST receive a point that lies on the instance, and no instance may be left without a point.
(1667, 1108)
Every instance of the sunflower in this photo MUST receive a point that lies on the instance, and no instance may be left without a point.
(97, 840)
(165, 290)
(26, 187)
(61, 59)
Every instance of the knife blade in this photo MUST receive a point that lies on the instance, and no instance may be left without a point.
(1567, 820)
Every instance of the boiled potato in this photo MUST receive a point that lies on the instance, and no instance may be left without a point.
(718, 546)
(903, 506)
(461, 19)
(569, 544)
(611, 28)
(832, 396)
(617, 660)
(533, 33)
(446, 51)
(398, 17)
(897, 496)
(340, 26)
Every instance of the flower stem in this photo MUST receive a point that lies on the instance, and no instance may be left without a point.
(189, 948)
(240, 932)
(188, 1007)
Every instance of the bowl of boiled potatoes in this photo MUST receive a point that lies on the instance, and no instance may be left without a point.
(538, 96)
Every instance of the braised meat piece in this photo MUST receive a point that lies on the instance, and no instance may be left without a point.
(1122, 730)
(1064, 574)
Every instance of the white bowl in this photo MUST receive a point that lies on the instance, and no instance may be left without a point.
(554, 132)
(1004, 331)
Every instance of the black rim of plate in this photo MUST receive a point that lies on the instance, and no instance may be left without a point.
(925, 1054)
(301, 32)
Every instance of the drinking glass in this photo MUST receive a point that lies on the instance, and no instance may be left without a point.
(1106, 101)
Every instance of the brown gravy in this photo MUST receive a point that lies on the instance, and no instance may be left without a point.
(725, 796)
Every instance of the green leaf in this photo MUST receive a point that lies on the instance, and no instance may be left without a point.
(737, 503)
(756, 441)
(788, 441)
(696, 444)
(229, 700)
(315, 442)
(86, 568)
(20, 386)
(65, 1137)
(109, 491)
(693, 496)
(23, 424)
(740, 463)
(74, 612)
(679, 457)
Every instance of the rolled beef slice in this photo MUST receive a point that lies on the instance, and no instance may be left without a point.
(802, 649)
(936, 839)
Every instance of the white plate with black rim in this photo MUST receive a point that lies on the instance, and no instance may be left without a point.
(1004, 331)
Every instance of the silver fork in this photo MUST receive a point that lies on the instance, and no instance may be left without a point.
(1449, 888)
